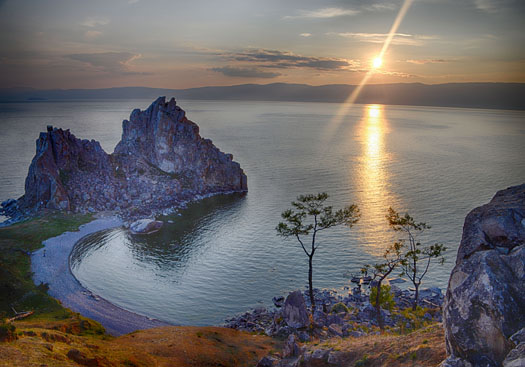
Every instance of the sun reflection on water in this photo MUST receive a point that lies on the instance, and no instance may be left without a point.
(374, 196)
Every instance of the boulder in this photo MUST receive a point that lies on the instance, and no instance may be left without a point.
(336, 329)
(145, 226)
(318, 357)
(268, 361)
(291, 349)
(294, 311)
(516, 357)
(485, 302)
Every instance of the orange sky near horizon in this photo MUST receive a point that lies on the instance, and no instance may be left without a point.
(175, 44)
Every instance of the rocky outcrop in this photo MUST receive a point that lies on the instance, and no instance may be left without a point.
(161, 162)
(295, 313)
(146, 226)
(484, 307)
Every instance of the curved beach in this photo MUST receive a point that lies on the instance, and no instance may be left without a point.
(53, 269)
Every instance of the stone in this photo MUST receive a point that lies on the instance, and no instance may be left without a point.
(320, 318)
(518, 337)
(278, 301)
(145, 226)
(335, 359)
(455, 362)
(268, 361)
(160, 162)
(294, 311)
(318, 357)
(484, 302)
(336, 329)
(356, 334)
(303, 336)
(516, 357)
(290, 348)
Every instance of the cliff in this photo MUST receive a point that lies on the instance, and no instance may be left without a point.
(484, 312)
(160, 162)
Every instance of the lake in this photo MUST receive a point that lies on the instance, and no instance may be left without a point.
(221, 256)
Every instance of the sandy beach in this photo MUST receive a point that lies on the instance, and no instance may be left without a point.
(53, 269)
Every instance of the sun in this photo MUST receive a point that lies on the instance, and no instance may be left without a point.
(377, 62)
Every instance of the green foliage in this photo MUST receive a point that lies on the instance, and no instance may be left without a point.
(7, 331)
(307, 218)
(363, 362)
(386, 298)
(16, 285)
(414, 318)
(417, 257)
(311, 216)
(340, 307)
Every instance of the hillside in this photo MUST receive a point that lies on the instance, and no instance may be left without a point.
(471, 95)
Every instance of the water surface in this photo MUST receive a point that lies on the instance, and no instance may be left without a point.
(221, 255)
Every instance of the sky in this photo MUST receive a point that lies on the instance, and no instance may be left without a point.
(183, 44)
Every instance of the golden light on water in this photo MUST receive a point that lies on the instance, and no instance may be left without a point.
(373, 111)
(373, 194)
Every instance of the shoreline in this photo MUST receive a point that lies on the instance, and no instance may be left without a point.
(54, 269)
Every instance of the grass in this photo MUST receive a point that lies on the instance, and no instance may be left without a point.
(422, 347)
(17, 289)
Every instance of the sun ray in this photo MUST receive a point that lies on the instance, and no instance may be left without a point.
(348, 103)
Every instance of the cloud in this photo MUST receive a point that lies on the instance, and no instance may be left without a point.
(428, 61)
(282, 60)
(110, 62)
(91, 35)
(489, 6)
(133, 1)
(381, 7)
(241, 72)
(399, 38)
(497, 6)
(305, 35)
(322, 13)
(93, 22)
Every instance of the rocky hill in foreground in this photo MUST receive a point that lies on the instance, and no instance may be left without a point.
(484, 312)
(160, 162)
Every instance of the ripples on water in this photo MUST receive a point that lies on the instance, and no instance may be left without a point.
(222, 256)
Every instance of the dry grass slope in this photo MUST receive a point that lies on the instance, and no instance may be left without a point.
(168, 346)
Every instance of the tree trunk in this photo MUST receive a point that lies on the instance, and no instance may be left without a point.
(416, 296)
(310, 283)
(378, 306)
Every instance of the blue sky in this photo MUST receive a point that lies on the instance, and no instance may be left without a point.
(181, 44)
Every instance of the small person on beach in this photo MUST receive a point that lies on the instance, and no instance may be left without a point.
(44, 252)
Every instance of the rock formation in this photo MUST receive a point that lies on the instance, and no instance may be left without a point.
(484, 311)
(160, 162)
(295, 313)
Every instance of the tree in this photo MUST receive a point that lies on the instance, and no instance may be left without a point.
(310, 216)
(417, 258)
(392, 258)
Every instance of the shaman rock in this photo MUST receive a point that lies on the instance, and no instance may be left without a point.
(161, 162)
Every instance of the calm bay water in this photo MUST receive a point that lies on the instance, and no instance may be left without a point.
(221, 256)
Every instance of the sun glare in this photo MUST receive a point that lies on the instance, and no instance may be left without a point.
(377, 62)
(373, 111)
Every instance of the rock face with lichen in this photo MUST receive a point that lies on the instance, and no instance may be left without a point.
(484, 311)
(160, 162)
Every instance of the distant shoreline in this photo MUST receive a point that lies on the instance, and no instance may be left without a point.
(501, 96)
(53, 269)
